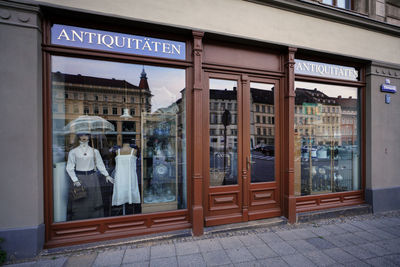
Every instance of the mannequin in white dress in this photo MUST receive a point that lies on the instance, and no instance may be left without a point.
(126, 189)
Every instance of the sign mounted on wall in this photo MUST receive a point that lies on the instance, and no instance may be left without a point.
(312, 68)
(388, 88)
(117, 42)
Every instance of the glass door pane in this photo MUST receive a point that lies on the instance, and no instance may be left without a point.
(223, 132)
(262, 132)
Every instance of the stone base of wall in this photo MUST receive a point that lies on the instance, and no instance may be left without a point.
(383, 199)
(22, 243)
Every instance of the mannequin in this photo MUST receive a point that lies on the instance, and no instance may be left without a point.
(126, 189)
(81, 167)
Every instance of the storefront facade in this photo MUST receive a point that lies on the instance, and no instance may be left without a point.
(171, 122)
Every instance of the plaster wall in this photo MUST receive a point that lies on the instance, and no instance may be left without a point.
(252, 21)
(21, 162)
(383, 131)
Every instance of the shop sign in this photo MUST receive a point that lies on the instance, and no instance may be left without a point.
(305, 67)
(117, 42)
(388, 88)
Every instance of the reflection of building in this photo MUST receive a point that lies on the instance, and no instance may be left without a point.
(263, 116)
(221, 100)
(349, 120)
(317, 116)
(75, 95)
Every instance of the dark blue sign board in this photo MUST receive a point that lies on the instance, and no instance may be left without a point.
(388, 88)
(117, 42)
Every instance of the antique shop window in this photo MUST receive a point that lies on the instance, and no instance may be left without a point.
(128, 163)
(327, 148)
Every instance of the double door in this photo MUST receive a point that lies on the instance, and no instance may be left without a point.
(242, 177)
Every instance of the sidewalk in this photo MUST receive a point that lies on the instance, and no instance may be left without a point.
(365, 240)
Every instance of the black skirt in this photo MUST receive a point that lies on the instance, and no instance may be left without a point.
(91, 206)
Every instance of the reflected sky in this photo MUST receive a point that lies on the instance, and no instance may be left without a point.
(165, 84)
(330, 90)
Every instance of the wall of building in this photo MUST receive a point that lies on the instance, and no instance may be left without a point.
(383, 139)
(257, 22)
(21, 205)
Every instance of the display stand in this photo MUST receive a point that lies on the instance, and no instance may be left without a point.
(159, 162)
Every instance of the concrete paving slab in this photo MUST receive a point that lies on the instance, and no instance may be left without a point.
(381, 234)
(81, 260)
(109, 258)
(262, 252)
(162, 251)
(273, 262)
(349, 227)
(298, 260)
(288, 235)
(164, 262)
(192, 260)
(339, 255)
(238, 255)
(216, 258)
(282, 248)
(380, 262)
(320, 243)
(302, 245)
(251, 240)
(304, 233)
(231, 242)
(209, 245)
(359, 252)
(270, 237)
(186, 248)
(137, 264)
(136, 255)
(319, 258)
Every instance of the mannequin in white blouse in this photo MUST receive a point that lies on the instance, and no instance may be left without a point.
(81, 158)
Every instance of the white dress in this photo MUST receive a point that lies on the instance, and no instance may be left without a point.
(126, 188)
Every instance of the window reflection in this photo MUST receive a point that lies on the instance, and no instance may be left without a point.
(223, 132)
(327, 151)
(262, 132)
(134, 118)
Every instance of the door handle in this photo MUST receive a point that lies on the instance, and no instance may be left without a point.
(248, 161)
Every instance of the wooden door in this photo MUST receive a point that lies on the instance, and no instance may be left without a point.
(241, 181)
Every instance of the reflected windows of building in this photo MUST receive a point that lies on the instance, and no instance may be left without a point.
(115, 111)
(132, 112)
(324, 161)
(86, 110)
(105, 110)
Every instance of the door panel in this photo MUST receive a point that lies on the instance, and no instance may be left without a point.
(241, 181)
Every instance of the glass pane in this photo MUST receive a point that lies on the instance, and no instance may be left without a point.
(223, 132)
(120, 131)
(327, 151)
(329, 2)
(262, 132)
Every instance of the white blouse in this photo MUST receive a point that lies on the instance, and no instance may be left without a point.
(81, 159)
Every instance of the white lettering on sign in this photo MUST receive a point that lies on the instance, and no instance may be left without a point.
(118, 42)
(325, 70)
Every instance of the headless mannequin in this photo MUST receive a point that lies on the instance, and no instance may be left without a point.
(126, 150)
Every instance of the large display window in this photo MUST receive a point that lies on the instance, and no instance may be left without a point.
(119, 139)
(327, 138)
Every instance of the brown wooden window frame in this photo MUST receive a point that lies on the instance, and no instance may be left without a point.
(348, 198)
(93, 230)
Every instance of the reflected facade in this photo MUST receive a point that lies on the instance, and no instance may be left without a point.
(327, 151)
(120, 138)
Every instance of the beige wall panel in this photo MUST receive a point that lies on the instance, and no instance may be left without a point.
(253, 21)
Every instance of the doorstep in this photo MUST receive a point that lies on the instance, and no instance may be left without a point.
(334, 213)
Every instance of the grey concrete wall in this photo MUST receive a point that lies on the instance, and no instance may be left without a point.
(383, 139)
(21, 205)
